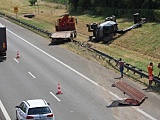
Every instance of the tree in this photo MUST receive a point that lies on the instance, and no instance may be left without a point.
(74, 4)
(118, 4)
(84, 4)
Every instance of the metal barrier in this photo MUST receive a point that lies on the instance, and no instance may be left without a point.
(27, 25)
(129, 67)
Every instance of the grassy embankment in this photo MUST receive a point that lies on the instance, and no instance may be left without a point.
(137, 47)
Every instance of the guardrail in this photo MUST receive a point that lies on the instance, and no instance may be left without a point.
(99, 53)
(39, 30)
(129, 67)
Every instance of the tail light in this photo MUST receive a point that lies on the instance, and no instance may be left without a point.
(4, 45)
(50, 115)
(29, 117)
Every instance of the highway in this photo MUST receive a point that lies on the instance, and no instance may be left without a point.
(86, 86)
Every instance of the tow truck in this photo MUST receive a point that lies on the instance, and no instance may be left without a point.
(65, 29)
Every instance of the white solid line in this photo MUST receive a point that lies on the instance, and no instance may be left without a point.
(55, 96)
(144, 113)
(31, 74)
(147, 115)
(16, 60)
(4, 111)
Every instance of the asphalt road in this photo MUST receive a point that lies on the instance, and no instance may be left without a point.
(86, 86)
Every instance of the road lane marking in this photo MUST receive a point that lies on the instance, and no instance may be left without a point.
(144, 113)
(55, 96)
(116, 96)
(16, 60)
(4, 111)
(80, 74)
(31, 74)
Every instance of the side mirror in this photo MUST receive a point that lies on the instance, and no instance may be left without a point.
(48, 103)
(17, 107)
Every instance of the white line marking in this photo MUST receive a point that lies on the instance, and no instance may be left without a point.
(116, 96)
(144, 113)
(16, 60)
(55, 96)
(4, 111)
(31, 74)
(147, 115)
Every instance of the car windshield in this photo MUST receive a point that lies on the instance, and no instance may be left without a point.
(39, 110)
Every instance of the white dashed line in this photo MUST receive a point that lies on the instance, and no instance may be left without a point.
(4, 111)
(31, 74)
(55, 96)
(80, 74)
(16, 60)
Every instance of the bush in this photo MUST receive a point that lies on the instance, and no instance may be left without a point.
(32, 2)
(157, 15)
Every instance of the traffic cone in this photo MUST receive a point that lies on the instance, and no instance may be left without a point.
(59, 90)
(18, 55)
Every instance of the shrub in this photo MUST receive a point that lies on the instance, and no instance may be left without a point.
(32, 2)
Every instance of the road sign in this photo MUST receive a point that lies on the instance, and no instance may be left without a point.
(15, 9)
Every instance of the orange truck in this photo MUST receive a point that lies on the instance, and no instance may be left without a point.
(3, 42)
(65, 29)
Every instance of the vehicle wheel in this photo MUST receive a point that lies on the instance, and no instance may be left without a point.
(90, 38)
(16, 116)
(75, 34)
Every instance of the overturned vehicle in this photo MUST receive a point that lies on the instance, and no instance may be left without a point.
(103, 30)
(109, 28)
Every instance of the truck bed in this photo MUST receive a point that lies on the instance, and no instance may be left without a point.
(63, 35)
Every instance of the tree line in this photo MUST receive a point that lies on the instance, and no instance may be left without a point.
(125, 4)
(120, 8)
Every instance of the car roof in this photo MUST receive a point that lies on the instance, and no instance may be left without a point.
(36, 103)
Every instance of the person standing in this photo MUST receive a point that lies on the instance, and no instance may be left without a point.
(121, 67)
(159, 69)
(150, 74)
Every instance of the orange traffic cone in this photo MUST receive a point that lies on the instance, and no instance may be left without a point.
(59, 89)
(18, 55)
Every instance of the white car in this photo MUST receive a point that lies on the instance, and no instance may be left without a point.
(37, 109)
